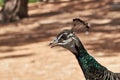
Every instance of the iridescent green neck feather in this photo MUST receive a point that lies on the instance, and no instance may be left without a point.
(88, 64)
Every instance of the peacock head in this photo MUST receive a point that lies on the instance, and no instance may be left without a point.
(66, 39)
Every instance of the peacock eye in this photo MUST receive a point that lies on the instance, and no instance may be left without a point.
(64, 37)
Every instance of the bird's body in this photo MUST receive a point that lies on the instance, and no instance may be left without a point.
(91, 68)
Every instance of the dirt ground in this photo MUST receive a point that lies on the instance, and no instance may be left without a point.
(24, 50)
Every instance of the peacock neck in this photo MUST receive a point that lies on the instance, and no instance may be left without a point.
(88, 64)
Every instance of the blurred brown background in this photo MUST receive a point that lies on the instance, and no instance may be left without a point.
(24, 50)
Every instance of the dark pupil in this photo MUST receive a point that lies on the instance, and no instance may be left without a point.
(64, 36)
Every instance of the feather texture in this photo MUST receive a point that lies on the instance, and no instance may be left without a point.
(92, 69)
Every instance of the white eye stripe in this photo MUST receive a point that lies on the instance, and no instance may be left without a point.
(70, 35)
(69, 40)
(60, 36)
(66, 41)
(65, 33)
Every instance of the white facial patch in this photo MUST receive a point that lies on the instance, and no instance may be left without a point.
(60, 36)
(70, 35)
(65, 41)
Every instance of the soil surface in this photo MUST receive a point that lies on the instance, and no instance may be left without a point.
(24, 50)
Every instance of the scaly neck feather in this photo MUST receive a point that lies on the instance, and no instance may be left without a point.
(88, 64)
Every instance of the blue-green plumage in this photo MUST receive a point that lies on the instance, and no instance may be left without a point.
(92, 69)
(88, 64)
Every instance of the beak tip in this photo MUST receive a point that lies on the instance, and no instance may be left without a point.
(51, 45)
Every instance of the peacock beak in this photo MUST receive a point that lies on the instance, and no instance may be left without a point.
(53, 43)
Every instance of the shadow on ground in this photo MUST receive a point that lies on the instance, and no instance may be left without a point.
(44, 31)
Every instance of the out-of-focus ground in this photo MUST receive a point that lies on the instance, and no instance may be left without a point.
(24, 50)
